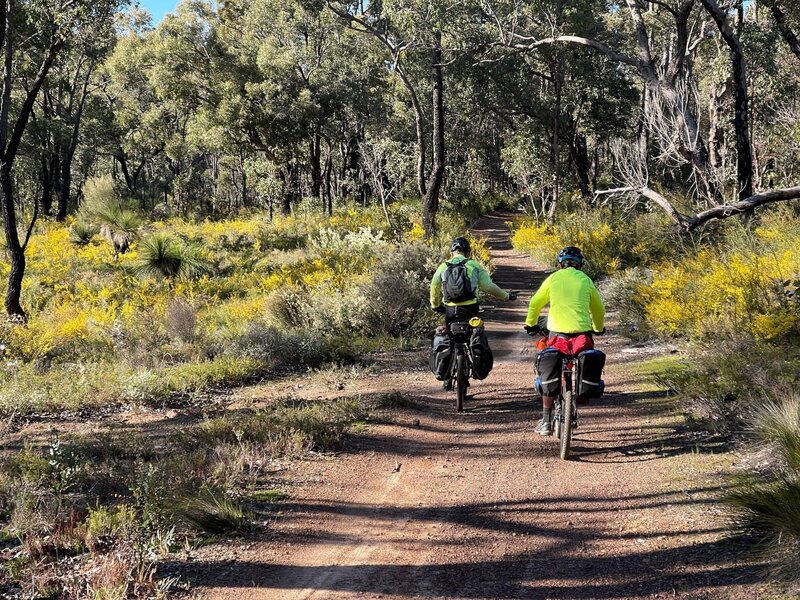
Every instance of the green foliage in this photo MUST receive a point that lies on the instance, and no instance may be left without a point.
(105, 524)
(212, 512)
(164, 256)
(81, 232)
(397, 294)
(105, 209)
(777, 422)
(767, 501)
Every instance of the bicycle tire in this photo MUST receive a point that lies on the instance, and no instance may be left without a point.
(461, 382)
(566, 428)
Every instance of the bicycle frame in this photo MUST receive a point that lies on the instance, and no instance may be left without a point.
(565, 416)
(461, 361)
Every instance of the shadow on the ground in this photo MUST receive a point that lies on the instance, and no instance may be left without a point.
(566, 568)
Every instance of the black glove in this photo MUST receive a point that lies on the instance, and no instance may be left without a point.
(600, 332)
(533, 330)
(512, 295)
(439, 309)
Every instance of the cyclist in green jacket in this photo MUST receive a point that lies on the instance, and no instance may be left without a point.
(479, 278)
(576, 312)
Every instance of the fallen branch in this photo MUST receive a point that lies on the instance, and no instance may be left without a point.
(737, 208)
(690, 223)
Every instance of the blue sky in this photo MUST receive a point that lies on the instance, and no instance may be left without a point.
(158, 8)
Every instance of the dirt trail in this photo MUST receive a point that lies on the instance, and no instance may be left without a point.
(475, 505)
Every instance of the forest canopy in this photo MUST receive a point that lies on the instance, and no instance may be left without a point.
(682, 106)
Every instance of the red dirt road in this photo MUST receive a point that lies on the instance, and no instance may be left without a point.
(475, 505)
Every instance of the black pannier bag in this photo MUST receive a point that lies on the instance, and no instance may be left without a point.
(591, 363)
(441, 353)
(482, 357)
(548, 366)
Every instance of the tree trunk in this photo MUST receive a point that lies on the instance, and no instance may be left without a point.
(326, 197)
(786, 32)
(744, 156)
(15, 249)
(430, 202)
(288, 189)
(316, 165)
(69, 154)
(555, 148)
(419, 121)
(580, 158)
(47, 188)
(65, 184)
(715, 131)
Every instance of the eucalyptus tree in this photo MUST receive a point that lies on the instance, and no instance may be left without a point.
(658, 42)
(787, 19)
(132, 122)
(64, 97)
(33, 35)
(411, 32)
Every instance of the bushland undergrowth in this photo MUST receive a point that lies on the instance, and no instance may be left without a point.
(128, 312)
(189, 307)
(93, 516)
(732, 296)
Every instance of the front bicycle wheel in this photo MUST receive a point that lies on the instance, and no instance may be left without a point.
(557, 418)
(567, 408)
(461, 381)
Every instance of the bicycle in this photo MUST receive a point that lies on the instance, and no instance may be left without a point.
(462, 360)
(564, 419)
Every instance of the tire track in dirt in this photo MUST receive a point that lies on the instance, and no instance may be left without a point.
(474, 505)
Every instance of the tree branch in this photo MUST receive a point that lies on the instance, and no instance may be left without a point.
(574, 39)
(783, 27)
(737, 208)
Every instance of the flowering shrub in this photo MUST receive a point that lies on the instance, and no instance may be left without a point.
(610, 242)
(734, 290)
(93, 313)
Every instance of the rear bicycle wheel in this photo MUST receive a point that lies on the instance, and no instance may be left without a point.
(461, 381)
(567, 410)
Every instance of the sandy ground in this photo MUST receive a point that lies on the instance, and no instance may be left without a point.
(436, 504)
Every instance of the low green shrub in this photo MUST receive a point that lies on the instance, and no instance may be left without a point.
(767, 500)
(162, 255)
(722, 381)
(287, 428)
(212, 512)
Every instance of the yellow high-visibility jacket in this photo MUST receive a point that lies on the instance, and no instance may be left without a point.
(575, 303)
(485, 283)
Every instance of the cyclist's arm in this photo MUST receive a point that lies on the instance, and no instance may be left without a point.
(436, 287)
(538, 301)
(486, 285)
(597, 309)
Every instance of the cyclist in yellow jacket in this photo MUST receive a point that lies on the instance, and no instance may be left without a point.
(576, 312)
(479, 280)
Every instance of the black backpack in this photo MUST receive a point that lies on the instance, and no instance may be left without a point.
(457, 286)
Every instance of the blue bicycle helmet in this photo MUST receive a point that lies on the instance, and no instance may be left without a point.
(571, 256)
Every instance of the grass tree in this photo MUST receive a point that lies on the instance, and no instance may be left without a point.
(110, 214)
(162, 255)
